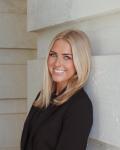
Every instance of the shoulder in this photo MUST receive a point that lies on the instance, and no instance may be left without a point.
(81, 97)
(79, 111)
(80, 103)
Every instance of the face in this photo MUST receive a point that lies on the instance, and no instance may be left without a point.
(60, 62)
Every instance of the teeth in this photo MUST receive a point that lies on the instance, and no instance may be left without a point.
(59, 71)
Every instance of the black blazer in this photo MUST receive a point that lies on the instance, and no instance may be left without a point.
(64, 127)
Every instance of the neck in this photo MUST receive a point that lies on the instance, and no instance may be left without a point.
(60, 87)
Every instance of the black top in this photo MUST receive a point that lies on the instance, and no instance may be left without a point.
(64, 127)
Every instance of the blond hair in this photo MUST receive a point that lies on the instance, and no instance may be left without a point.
(80, 46)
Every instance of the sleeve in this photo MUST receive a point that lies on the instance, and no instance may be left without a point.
(76, 126)
(25, 131)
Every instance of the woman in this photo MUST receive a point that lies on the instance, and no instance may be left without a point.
(61, 116)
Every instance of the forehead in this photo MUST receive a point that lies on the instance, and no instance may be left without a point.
(61, 46)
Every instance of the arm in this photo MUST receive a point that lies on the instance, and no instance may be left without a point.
(25, 131)
(76, 126)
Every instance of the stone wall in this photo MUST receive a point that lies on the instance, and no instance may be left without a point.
(16, 47)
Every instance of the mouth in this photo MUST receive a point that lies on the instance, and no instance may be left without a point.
(58, 70)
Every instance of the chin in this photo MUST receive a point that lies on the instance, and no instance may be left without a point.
(58, 80)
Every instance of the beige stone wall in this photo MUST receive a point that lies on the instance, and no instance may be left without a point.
(42, 14)
(17, 46)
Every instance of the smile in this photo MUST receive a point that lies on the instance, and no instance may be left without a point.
(59, 71)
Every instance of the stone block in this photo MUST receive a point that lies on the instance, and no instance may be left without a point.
(16, 56)
(14, 32)
(103, 87)
(13, 6)
(13, 80)
(8, 106)
(34, 79)
(10, 130)
(59, 12)
(97, 145)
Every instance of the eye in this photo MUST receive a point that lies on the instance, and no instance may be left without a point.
(67, 57)
(52, 54)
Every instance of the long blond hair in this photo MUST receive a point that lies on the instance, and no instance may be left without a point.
(81, 47)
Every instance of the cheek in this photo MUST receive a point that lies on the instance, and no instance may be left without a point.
(50, 60)
(72, 68)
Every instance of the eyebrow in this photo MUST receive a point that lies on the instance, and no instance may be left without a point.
(62, 53)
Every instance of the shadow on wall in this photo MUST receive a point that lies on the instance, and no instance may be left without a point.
(97, 145)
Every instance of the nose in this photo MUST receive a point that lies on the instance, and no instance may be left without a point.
(58, 62)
